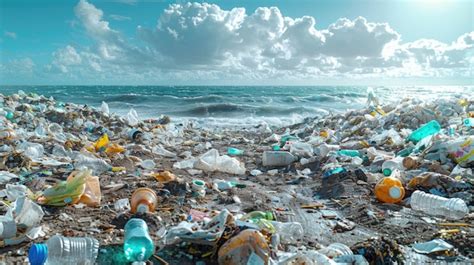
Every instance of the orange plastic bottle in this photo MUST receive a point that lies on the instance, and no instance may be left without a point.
(389, 190)
(143, 200)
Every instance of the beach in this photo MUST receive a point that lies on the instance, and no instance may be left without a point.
(332, 207)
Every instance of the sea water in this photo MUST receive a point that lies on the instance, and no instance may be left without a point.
(234, 105)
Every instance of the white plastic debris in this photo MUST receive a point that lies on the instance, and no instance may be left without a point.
(212, 161)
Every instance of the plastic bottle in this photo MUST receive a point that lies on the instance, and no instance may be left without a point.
(332, 171)
(289, 232)
(426, 130)
(390, 165)
(234, 151)
(335, 250)
(143, 200)
(453, 208)
(468, 122)
(277, 158)
(138, 245)
(389, 190)
(134, 134)
(324, 149)
(97, 165)
(199, 188)
(351, 153)
(64, 250)
(258, 215)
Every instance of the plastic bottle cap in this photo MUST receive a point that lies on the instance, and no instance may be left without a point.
(395, 192)
(387, 172)
(38, 254)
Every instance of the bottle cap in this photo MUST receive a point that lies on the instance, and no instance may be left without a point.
(395, 192)
(387, 172)
(38, 254)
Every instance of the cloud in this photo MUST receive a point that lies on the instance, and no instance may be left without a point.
(10, 34)
(119, 17)
(201, 41)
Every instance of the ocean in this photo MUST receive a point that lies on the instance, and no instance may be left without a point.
(234, 105)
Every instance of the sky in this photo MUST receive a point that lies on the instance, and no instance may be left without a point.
(228, 42)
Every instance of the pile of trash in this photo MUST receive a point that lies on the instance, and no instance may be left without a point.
(387, 184)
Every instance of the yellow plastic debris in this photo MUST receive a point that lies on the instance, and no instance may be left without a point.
(114, 149)
(66, 192)
(102, 143)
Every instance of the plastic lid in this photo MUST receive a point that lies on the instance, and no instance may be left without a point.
(38, 254)
(387, 172)
(395, 192)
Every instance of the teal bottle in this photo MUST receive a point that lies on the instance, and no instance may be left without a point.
(234, 151)
(138, 245)
(469, 122)
(351, 153)
(426, 130)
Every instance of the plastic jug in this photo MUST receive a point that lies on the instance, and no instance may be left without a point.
(426, 130)
(248, 247)
(143, 200)
(389, 190)
(138, 245)
(453, 208)
(60, 250)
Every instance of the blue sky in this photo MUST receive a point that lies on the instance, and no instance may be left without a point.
(217, 42)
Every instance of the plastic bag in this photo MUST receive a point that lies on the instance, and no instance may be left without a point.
(212, 161)
(66, 192)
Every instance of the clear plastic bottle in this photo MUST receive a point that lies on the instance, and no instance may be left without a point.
(426, 130)
(277, 158)
(453, 208)
(289, 232)
(390, 165)
(64, 250)
(97, 165)
(138, 245)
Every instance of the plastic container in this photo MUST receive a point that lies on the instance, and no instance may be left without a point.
(97, 165)
(351, 153)
(324, 149)
(277, 158)
(426, 130)
(138, 245)
(336, 250)
(199, 188)
(389, 190)
(390, 165)
(289, 232)
(453, 208)
(60, 250)
(468, 122)
(7, 134)
(143, 200)
(248, 247)
(234, 151)
(258, 215)
(134, 134)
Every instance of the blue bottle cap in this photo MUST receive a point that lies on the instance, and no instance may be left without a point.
(38, 254)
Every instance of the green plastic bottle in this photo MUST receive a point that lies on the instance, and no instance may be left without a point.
(426, 130)
(138, 245)
(256, 215)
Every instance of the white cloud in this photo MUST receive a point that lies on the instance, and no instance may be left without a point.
(10, 34)
(200, 41)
